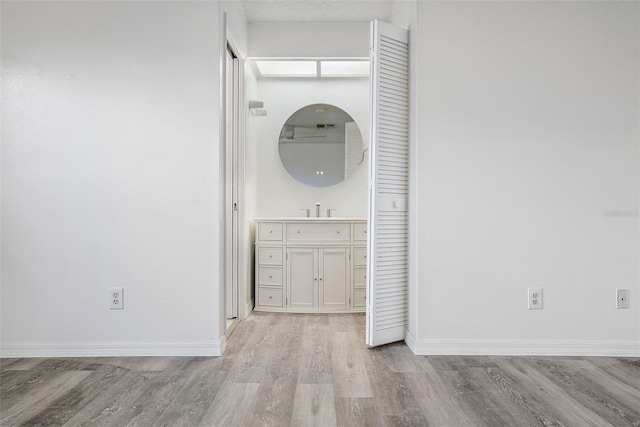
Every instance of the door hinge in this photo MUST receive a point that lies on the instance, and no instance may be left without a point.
(235, 206)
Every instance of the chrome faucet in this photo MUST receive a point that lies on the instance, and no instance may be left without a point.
(317, 209)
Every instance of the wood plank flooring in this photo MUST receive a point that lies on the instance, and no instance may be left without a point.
(314, 370)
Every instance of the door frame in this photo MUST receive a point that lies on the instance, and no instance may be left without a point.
(243, 309)
(232, 256)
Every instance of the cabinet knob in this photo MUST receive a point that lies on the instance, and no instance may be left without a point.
(270, 277)
(271, 256)
(270, 231)
(315, 278)
(365, 231)
(321, 278)
(298, 231)
(270, 297)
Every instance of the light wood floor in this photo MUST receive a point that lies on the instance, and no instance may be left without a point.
(291, 369)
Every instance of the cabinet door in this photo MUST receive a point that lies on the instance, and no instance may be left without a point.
(334, 278)
(302, 279)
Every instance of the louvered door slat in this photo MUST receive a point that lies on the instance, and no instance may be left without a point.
(386, 130)
(393, 57)
(389, 89)
(390, 138)
(392, 39)
(391, 103)
(390, 72)
(394, 115)
(390, 96)
(388, 221)
(353, 142)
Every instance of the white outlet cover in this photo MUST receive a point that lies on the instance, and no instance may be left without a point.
(116, 298)
(622, 298)
(534, 298)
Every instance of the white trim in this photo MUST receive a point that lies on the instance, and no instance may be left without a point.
(523, 347)
(222, 46)
(231, 326)
(222, 346)
(248, 308)
(410, 340)
(110, 349)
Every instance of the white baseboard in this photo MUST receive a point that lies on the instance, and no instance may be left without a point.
(248, 308)
(522, 347)
(113, 349)
(222, 346)
(411, 341)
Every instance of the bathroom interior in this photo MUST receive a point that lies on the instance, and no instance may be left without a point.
(326, 70)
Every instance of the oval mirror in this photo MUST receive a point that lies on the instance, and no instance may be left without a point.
(320, 145)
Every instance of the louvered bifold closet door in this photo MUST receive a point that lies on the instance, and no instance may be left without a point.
(388, 221)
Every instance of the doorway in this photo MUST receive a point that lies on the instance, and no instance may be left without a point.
(388, 180)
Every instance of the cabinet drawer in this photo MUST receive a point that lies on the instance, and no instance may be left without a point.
(270, 256)
(270, 231)
(359, 256)
(271, 276)
(359, 298)
(360, 276)
(319, 232)
(270, 297)
(360, 231)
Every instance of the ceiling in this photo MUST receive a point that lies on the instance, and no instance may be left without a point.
(317, 10)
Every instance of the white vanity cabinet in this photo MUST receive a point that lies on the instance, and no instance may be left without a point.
(318, 279)
(360, 266)
(321, 270)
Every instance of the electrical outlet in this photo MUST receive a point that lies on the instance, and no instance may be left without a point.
(116, 298)
(622, 298)
(535, 298)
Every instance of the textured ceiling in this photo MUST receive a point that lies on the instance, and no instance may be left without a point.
(317, 10)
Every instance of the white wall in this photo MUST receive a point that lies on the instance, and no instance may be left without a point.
(236, 25)
(110, 177)
(309, 39)
(279, 194)
(528, 127)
